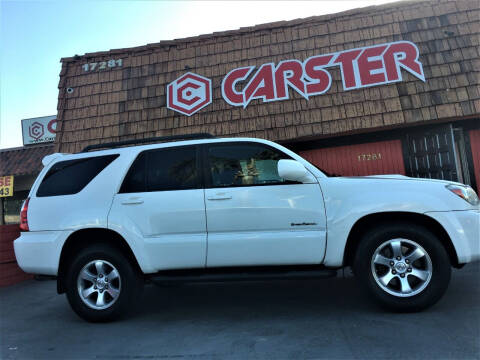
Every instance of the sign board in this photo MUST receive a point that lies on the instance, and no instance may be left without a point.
(359, 68)
(39, 130)
(6, 186)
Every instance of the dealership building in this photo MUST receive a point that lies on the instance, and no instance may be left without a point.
(390, 89)
(383, 89)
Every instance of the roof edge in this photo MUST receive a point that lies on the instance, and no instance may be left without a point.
(27, 147)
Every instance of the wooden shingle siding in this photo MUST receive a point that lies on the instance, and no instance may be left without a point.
(130, 101)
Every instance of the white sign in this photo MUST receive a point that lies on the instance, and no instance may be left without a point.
(39, 130)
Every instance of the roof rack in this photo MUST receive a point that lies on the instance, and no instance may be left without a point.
(116, 144)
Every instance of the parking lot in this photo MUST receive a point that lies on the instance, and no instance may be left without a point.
(276, 320)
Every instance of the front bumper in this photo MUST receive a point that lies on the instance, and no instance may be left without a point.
(38, 252)
(463, 227)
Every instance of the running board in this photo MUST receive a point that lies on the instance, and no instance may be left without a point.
(243, 274)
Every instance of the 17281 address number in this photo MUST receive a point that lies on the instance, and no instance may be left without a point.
(102, 65)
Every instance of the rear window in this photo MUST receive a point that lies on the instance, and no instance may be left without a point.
(71, 176)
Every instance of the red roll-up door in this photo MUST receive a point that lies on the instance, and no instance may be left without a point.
(383, 157)
(475, 143)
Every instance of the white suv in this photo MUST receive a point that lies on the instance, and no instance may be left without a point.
(211, 209)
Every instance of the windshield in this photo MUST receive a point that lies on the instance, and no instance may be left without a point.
(325, 172)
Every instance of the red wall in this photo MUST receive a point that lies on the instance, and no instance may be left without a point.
(10, 273)
(475, 143)
(383, 157)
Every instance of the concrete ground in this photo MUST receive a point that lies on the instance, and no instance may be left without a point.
(328, 318)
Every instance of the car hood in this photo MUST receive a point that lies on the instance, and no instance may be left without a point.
(403, 177)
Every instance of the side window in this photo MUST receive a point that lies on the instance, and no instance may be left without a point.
(71, 176)
(162, 170)
(244, 164)
(135, 179)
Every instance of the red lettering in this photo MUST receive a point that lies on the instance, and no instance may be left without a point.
(345, 59)
(372, 65)
(5, 180)
(369, 69)
(229, 93)
(402, 54)
(289, 72)
(319, 79)
(261, 85)
(50, 125)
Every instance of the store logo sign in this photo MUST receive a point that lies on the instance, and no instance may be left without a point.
(359, 68)
(189, 93)
(36, 130)
(39, 130)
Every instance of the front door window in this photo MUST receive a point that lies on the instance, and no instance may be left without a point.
(244, 165)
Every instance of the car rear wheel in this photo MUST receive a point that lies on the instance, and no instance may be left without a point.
(403, 266)
(102, 284)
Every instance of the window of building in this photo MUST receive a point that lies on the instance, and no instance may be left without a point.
(12, 206)
(244, 164)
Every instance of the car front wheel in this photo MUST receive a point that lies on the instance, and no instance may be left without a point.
(403, 266)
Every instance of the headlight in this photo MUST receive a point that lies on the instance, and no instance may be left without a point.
(465, 192)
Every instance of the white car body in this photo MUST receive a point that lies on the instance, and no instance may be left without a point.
(240, 226)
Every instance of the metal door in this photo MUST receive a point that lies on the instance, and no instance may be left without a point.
(431, 154)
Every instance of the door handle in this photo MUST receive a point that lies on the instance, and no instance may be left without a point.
(221, 196)
(132, 201)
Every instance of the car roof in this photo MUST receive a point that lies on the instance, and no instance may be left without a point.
(138, 148)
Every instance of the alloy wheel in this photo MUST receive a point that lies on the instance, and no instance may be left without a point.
(99, 284)
(401, 267)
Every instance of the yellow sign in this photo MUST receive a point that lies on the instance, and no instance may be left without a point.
(6, 186)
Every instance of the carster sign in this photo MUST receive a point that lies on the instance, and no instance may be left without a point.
(362, 67)
(359, 68)
(39, 130)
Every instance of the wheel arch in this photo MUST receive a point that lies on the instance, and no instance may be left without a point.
(368, 221)
(85, 237)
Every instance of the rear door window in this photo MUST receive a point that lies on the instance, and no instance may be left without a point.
(71, 176)
(164, 169)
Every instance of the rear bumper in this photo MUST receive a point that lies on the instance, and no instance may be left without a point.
(38, 252)
(463, 227)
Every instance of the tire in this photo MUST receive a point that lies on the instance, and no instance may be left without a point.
(112, 281)
(405, 282)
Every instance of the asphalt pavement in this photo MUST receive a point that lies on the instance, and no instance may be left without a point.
(321, 319)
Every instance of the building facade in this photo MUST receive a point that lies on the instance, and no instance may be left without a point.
(19, 167)
(383, 89)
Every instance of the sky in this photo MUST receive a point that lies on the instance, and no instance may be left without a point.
(34, 35)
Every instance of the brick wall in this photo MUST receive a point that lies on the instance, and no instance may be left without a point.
(129, 101)
(10, 273)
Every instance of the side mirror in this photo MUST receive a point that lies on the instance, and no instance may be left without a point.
(292, 170)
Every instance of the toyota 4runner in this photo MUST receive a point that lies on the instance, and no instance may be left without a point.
(206, 209)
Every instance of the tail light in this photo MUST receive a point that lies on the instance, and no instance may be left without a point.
(23, 216)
